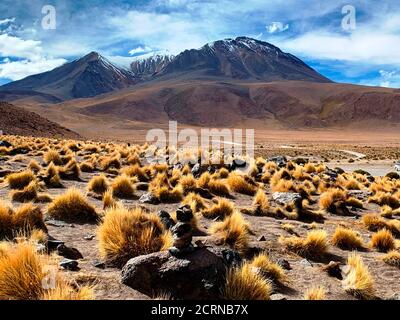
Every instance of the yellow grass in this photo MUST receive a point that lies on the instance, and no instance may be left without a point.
(358, 282)
(383, 241)
(122, 187)
(72, 206)
(23, 220)
(346, 239)
(261, 200)
(315, 293)
(98, 184)
(314, 245)
(232, 231)
(52, 156)
(238, 183)
(392, 258)
(268, 268)
(195, 202)
(245, 283)
(20, 180)
(221, 209)
(331, 196)
(125, 234)
(25, 275)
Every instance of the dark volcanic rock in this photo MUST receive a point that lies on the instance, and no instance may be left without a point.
(166, 219)
(69, 264)
(69, 253)
(281, 161)
(149, 198)
(198, 275)
(184, 214)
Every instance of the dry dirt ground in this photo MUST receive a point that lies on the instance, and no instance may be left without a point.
(304, 273)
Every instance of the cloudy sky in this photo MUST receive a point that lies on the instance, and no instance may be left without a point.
(321, 32)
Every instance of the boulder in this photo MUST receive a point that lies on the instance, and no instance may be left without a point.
(359, 194)
(184, 214)
(166, 219)
(6, 144)
(69, 253)
(284, 198)
(142, 186)
(284, 264)
(204, 193)
(149, 198)
(198, 275)
(237, 164)
(69, 264)
(196, 170)
(281, 161)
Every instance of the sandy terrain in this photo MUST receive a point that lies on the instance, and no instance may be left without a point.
(304, 273)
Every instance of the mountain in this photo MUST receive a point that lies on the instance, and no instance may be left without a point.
(86, 77)
(18, 121)
(239, 82)
(241, 58)
(147, 68)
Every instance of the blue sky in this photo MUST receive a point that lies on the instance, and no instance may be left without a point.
(122, 30)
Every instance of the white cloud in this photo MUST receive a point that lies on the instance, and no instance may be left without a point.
(140, 50)
(17, 70)
(389, 78)
(276, 27)
(11, 46)
(362, 46)
(29, 58)
(7, 21)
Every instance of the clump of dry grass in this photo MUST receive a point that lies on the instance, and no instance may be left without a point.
(72, 206)
(98, 184)
(358, 281)
(70, 171)
(108, 199)
(261, 201)
(330, 197)
(383, 198)
(238, 183)
(20, 180)
(24, 220)
(353, 202)
(195, 202)
(29, 193)
(346, 239)
(123, 187)
(232, 231)
(52, 156)
(383, 241)
(23, 276)
(221, 209)
(110, 162)
(86, 166)
(315, 293)
(268, 269)
(314, 245)
(166, 195)
(219, 187)
(34, 166)
(136, 171)
(125, 234)
(187, 183)
(51, 176)
(392, 258)
(161, 188)
(375, 222)
(245, 283)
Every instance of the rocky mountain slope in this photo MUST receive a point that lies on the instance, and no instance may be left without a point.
(17, 121)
